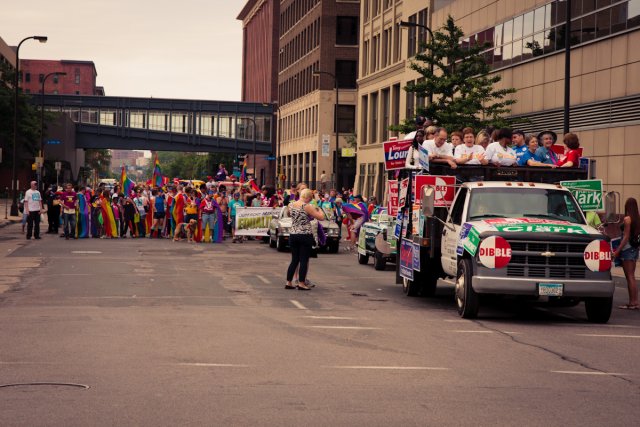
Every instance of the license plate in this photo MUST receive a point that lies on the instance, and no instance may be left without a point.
(550, 289)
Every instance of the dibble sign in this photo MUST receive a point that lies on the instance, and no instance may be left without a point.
(495, 252)
(597, 255)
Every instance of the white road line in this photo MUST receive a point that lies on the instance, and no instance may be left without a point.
(586, 373)
(457, 321)
(473, 332)
(214, 365)
(608, 336)
(298, 305)
(264, 279)
(342, 327)
(397, 368)
(329, 317)
(86, 252)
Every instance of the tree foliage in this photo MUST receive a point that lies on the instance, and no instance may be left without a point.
(458, 77)
(189, 165)
(99, 160)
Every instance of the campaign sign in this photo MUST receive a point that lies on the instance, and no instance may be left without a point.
(424, 158)
(597, 256)
(444, 185)
(588, 193)
(416, 256)
(392, 191)
(404, 187)
(406, 259)
(398, 228)
(495, 252)
(395, 154)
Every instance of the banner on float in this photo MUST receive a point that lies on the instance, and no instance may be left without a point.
(444, 185)
(254, 221)
(392, 193)
(395, 154)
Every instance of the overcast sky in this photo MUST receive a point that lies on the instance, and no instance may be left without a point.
(190, 49)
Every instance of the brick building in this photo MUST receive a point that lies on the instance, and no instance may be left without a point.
(80, 78)
(323, 36)
(259, 68)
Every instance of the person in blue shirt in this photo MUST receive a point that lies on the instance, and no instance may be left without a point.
(529, 157)
(545, 153)
(519, 144)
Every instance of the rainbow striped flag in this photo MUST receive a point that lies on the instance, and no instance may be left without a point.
(157, 180)
(127, 184)
(254, 186)
(243, 174)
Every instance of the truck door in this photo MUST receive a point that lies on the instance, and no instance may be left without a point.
(451, 232)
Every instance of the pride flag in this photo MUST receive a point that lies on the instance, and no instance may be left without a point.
(108, 219)
(157, 179)
(354, 210)
(243, 174)
(254, 186)
(127, 184)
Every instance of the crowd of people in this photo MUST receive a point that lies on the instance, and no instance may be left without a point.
(497, 147)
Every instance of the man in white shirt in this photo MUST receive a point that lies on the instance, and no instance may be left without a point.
(499, 153)
(440, 151)
(33, 207)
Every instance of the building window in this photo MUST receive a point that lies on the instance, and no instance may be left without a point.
(347, 118)
(374, 117)
(364, 114)
(27, 77)
(395, 106)
(365, 58)
(411, 102)
(386, 105)
(411, 46)
(77, 92)
(346, 74)
(347, 30)
(40, 78)
(77, 76)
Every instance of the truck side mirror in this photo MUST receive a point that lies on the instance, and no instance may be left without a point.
(428, 200)
(611, 203)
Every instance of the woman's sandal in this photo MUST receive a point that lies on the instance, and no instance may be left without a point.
(629, 307)
(287, 286)
(303, 288)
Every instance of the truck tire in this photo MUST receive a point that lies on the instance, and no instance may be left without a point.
(363, 259)
(598, 309)
(467, 300)
(410, 287)
(379, 261)
(429, 284)
(280, 245)
(333, 247)
(272, 242)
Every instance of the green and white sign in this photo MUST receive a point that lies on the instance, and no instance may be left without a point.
(588, 193)
(540, 228)
(471, 242)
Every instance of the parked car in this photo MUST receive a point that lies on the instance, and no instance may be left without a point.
(280, 226)
(377, 240)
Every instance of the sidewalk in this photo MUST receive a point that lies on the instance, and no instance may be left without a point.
(5, 217)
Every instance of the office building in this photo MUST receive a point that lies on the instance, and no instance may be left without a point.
(80, 78)
(526, 47)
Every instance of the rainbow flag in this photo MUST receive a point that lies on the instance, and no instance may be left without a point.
(127, 184)
(354, 210)
(254, 186)
(157, 179)
(243, 174)
(110, 229)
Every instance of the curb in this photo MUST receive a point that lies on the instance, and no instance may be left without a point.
(5, 222)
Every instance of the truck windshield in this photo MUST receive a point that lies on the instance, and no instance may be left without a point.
(530, 203)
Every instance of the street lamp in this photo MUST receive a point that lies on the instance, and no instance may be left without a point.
(335, 121)
(416, 25)
(278, 130)
(567, 68)
(14, 184)
(255, 128)
(42, 144)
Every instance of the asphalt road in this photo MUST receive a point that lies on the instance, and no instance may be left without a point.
(167, 333)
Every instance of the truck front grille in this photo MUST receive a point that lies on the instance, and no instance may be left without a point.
(527, 261)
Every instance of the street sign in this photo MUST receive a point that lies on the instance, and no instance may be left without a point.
(58, 166)
(587, 192)
(39, 161)
(348, 152)
(325, 145)
(54, 142)
(270, 157)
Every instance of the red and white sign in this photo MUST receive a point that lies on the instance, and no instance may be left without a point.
(404, 188)
(392, 194)
(597, 256)
(444, 185)
(395, 153)
(504, 221)
(495, 252)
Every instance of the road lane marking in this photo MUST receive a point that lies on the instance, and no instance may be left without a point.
(473, 332)
(608, 336)
(397, 368)
(86, 252)
(298, 305)
(457, 321)
(214, 365)
(329, 317)
(342, 327)
(587, 373)
(264, 279)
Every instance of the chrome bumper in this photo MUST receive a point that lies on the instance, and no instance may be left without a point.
(528, 286)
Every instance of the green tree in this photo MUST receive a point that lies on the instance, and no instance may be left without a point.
(189, 165)
(458, 77)
(28, 120)
(98, 159)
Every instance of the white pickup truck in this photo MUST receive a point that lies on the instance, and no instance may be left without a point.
(512, 238)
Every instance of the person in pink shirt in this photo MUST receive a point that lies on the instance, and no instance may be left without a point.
(69, 203)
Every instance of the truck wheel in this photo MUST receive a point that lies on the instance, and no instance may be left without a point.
(410, 287)
(429, 284)
(272, 242)
(598, 309)
(280, 245)
(363, 259)
(379, 261)
(466, 298)
(334, 247)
